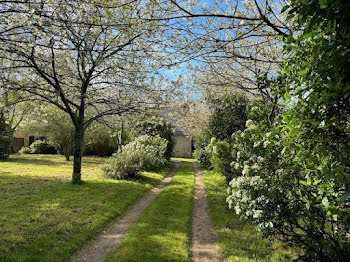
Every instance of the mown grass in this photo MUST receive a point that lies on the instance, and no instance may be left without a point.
(43, 217)
(179, 159)
(239, 241)
(162, 232)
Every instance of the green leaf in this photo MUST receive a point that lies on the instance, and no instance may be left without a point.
(325, 202)
(286, 96)
(302, 72)
(284, 8)
(344, 197)
(323, 3)
(307, 182)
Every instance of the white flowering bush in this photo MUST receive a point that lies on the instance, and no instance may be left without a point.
(144, 153)
(291, 184)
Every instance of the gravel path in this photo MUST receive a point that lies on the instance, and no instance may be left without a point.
(98, 249)
(204, 239)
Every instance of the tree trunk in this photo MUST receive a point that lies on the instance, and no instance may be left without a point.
(78, 152)
(67, 155)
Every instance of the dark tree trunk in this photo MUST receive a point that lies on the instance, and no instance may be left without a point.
(67, 155)
(78, 152)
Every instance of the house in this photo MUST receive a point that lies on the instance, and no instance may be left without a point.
(22, 138)
(182, 145)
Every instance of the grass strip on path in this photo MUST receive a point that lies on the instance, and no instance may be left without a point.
(162, 232)
(45, 218)
(239, 241)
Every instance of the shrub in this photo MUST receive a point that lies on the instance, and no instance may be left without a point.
(229, 115)
(144, 153)
(5, 138)
(202, 151)
(292, 184)
(99, 142)
(221, 157)
(157, 126)
(203, 157)
(43, 147)
(25, 150)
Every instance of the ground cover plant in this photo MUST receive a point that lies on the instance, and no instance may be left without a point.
(239, 240)
(44, 217)
(162, 232)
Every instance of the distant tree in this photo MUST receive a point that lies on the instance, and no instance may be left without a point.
(229, 114)
(5, 138)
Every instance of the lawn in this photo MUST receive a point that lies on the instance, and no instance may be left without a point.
(239, 241)
(45, 218)
(162, 232)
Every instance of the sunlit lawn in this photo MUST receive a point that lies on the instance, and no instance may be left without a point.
(162, 233)
(43, 217)
(239, 241)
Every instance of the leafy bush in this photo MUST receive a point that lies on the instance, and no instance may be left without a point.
(221, 157)
(229, 115)
(144, 153)
(157, 126)
(100, 142)
(25, 150)
(5, 138)
(292, 186)
(203, 157)
(43, 147)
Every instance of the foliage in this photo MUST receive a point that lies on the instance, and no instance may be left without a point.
(55, 125)
(233, 233)
(203, 157)
(64, 59)
(5, 138)
(162, 232)
(202, 140)
(157, 126)
(144, 153)
(25, 150)
(51, 212)
(221, 157)
(229, 114)
(291, 187)
(202, 150)
(43, 147)
(99, 141)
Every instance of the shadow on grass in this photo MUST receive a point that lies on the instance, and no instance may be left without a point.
(31, 161)
(39, 159)
(45, 219)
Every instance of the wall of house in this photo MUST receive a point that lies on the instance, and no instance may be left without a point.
(182, 146)
(18, 137)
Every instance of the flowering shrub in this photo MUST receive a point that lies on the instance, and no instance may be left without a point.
(43, 147)
(144, 153)
(291, 186)
(158, 126)
(25, 150)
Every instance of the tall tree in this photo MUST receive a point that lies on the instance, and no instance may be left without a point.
(80, 55)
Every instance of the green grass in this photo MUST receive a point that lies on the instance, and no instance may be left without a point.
(179, 159)
(239, 241)
(162, 232)
(45, 218)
